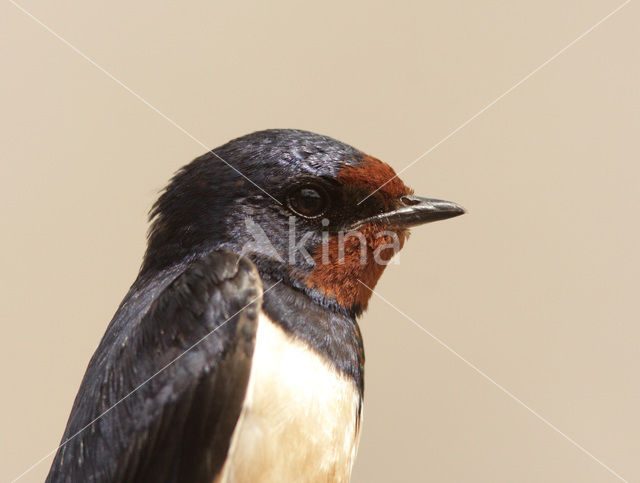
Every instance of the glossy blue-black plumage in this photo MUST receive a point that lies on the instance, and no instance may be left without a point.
(207, 202)
(140, 413)
(131, 423)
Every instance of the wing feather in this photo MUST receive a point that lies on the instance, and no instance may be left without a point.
(172, 374)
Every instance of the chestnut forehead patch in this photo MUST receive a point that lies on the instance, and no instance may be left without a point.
(372, 173)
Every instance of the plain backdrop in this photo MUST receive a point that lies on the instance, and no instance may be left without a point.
(537, 286)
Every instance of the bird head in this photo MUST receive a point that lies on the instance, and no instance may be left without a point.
(318, 214)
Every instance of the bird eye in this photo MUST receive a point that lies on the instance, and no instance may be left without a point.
(308, 201)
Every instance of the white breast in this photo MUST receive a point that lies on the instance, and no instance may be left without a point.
(298, 422)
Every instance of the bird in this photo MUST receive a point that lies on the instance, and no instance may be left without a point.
(236, 355)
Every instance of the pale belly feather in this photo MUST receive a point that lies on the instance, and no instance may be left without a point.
(298, 422)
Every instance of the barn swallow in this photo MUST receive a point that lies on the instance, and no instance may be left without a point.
(231, 359)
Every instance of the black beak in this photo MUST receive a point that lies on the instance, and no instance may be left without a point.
(414, 211)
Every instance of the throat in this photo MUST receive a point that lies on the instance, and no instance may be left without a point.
(350, 265)
(347, 283)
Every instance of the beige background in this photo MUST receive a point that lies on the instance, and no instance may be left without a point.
(537, 286)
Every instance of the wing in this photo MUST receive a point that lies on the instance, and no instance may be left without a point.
(162, 395)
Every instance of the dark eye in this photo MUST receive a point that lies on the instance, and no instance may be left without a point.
(309, 201)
